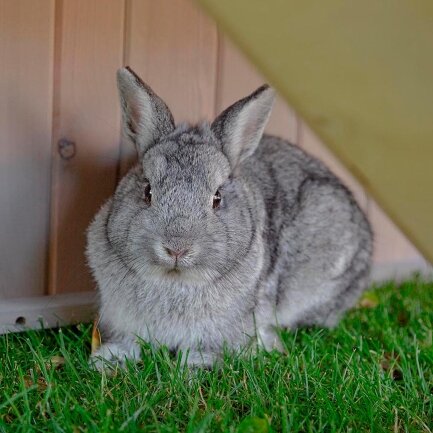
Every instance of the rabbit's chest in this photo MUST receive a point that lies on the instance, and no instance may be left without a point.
(179, 316)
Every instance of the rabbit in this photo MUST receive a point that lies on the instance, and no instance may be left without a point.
(220, 235)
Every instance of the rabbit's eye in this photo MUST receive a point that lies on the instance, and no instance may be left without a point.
(147, 194)
(216, 200)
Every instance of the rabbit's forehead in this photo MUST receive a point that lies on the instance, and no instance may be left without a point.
(193, 163)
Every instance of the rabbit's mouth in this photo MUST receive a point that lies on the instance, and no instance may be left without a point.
(179, 267)
(176, 268)
(174, 260)
(174, 271)
(189, 274)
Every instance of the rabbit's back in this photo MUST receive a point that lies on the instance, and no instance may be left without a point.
(318, 241)
(281, 167)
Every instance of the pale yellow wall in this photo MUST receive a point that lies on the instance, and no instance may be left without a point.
(360, 74)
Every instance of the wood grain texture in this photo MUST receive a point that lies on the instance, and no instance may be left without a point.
(26, 59)
(390, 244)
(172, 45)
(237, 78)
(89, 49)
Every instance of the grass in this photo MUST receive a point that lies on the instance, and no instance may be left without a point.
(373, 373)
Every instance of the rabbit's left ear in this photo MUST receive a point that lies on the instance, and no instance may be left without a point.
(240, 127)
(146, 117)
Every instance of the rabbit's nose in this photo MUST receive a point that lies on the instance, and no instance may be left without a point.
(176, 254)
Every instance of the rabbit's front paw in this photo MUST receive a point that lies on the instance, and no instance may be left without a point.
(199, 359)
(269, 339)
(113, 355)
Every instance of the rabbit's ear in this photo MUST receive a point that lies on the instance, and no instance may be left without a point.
(240, 127)
(146, 117)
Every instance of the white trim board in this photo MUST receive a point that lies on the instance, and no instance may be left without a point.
(21, 314)
(398, 271)
(57, 310)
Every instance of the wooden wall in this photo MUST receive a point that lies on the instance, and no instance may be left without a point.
(57, 84)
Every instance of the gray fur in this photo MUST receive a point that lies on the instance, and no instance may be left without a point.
(287, 247)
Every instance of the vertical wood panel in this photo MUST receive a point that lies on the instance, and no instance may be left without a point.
(26, 49)
(237, 77)
(89, 49)
(172, 45)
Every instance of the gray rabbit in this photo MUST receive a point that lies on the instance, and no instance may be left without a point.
(220, 235)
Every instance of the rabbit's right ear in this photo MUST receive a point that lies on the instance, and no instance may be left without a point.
(146, 117)
(240, 127)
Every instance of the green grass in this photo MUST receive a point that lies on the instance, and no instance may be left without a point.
(373, 373)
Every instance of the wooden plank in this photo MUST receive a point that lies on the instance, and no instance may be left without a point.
(26, 58)
(400, 271)
(89, 35)
(390, 244)
(50, 311)
(238, 77)
(172, 45)
(360, 74)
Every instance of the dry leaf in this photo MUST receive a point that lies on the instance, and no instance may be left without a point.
(28, 381)
(403, 318)
(8, 418)
(96, 337)
(41, 383)
(389, 365)
(56, 362)
(369, 300)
